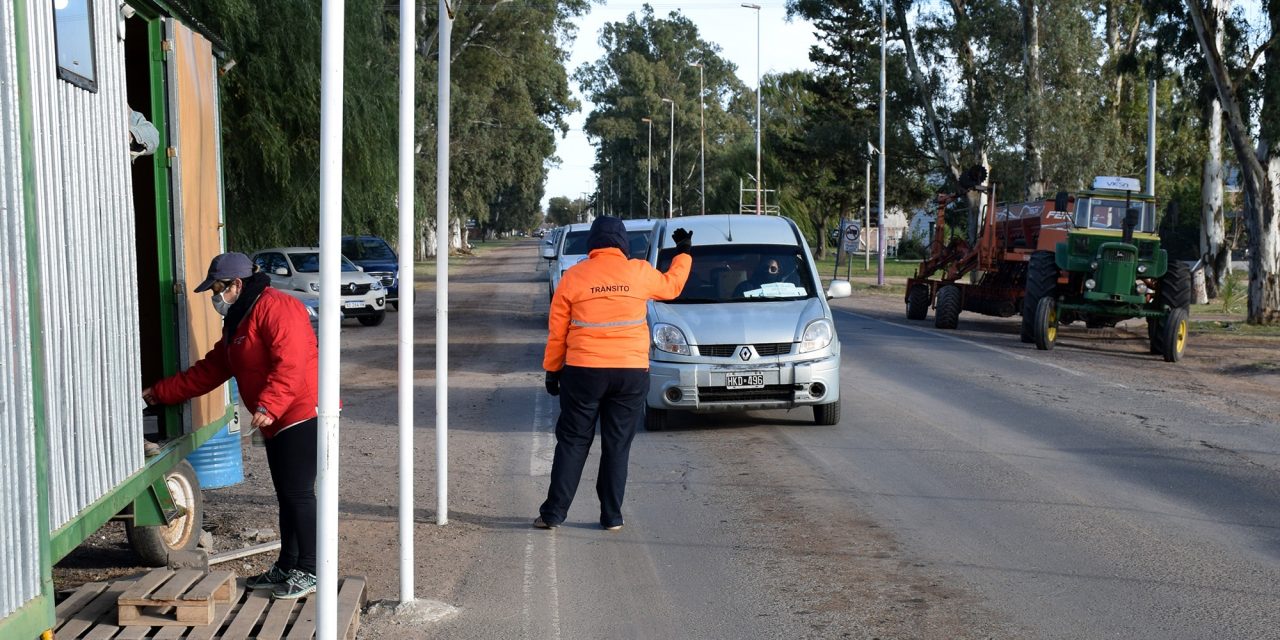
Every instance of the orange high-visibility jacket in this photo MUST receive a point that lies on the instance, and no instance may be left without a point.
(598, 312)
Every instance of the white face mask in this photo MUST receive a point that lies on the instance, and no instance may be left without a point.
(220, 302)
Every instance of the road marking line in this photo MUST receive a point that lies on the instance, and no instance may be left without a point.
(1000, 350)
(540, 452)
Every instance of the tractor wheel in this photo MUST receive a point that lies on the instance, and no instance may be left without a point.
(946, 313)
(655, 419)
(1153, 335)
(1042, 280)
(1046, 325)
(918, 302)
(153, 544)
(1174, 290)
(1173, 334)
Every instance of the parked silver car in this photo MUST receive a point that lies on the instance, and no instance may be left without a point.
(752, 328)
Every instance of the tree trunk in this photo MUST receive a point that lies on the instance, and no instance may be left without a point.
(1213, 246)
(1259, 173)
(1031, 61)
(949, 162)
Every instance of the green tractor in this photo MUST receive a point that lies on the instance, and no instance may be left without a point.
(1111, 267)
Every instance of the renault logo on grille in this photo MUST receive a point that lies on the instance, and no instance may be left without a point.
(745, 354)
(352, 287)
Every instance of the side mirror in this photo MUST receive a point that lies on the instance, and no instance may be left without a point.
(548, 253)
(359, 268)
(281, 271)
(839, 289)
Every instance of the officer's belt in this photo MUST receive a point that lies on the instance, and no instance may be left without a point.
(595, 325)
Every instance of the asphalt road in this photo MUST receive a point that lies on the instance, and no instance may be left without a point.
(974, 488)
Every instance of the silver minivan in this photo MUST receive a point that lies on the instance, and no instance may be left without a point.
(751, 329)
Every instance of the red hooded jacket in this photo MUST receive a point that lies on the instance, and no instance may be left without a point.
(273, 357)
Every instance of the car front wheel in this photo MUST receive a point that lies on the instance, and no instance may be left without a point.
(374, 319)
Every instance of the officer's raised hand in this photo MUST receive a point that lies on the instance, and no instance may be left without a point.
(683, 240)
(553, 383)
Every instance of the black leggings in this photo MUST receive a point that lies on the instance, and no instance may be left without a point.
(291, 455)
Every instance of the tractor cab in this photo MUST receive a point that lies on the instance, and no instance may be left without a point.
(1113, 249)
(1108, 203)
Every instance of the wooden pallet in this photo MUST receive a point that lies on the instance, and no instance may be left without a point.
(164, 597)
(90, 613)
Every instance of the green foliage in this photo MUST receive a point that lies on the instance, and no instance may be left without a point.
(1232, 293)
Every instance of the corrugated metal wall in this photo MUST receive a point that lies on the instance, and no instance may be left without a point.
(19, 529)
(88, 268)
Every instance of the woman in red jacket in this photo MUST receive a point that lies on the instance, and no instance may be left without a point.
(268, 346)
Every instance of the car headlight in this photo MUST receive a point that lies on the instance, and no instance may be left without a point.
(1090, 283)
(671, 339)
(817, 335)
(1094, 265)
(376, 286)
(315, 286)
(1142, 268)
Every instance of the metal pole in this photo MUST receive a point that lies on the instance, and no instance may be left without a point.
(1151, 137)
(866, 220)
(880, 242)
(702, 133)
(648, 176)
(759, 178)
(442, 269)
(671, 162)
(405, 202)
(327, 445)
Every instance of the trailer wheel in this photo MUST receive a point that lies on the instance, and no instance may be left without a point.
(918, 302)
(1153, 335)
(655, 419)
(1046, 328)
(153, 544)
(1175, 286)
(1042, 280)
(1173, 338)
(827, 414)
(946, 314)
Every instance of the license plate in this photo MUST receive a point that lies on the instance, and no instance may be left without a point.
(358, 304)
(744, 381)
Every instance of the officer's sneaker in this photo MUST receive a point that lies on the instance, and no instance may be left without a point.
(543, 524)
(274, 577)
(300, 583)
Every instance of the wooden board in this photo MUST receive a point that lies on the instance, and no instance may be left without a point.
(90, 612)
(187, 597)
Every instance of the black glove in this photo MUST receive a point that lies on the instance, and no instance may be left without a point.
(683, 240)
(553, 383)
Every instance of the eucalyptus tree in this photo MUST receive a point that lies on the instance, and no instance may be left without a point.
(649, 58)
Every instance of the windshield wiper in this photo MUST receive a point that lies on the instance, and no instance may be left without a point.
(691, 301)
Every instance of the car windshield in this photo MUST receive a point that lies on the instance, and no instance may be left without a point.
(575, 244)
(743, 273)
(368, 249)
(310, 262)
(1108, 213)
(638, 242)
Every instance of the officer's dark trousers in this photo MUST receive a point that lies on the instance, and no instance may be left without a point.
(616, 397)
(291, 456)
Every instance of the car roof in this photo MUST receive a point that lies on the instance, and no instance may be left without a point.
(642, 224)
(286, 250)
(736, 229)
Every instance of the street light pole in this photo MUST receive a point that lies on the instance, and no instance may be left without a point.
(866, 216)
(702, 133)
(648, 176)
(759, 177)
(880, 232)
(671, 161)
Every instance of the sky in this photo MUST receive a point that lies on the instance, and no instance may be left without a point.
(784, 46)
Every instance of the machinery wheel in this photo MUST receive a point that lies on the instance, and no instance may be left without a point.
(827, 414)
(946, 314)
(1174, 289)
(1046, 325)
(655, 419)
(153, 544)
(373, 320)
(918, 302)
(1042, 280)
(1153, 335)
(1173, 334)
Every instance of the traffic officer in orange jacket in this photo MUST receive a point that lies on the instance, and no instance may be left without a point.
(597, 361)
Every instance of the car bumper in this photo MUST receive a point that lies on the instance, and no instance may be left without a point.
(696, 386)
(368, 306)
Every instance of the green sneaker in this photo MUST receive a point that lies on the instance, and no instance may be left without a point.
(300, 583)
(274, 577)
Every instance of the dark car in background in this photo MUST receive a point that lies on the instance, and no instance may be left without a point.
(378, 259)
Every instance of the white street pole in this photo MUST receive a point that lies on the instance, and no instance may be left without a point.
(880, 232)
(442, 269)
(671, 162)
(405, 200)
(702, 133)
(759, 176)
(648, 177)
(866, 220)
(328, 443)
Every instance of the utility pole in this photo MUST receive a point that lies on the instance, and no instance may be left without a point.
(702, 133)
(760, 178)
(880, 242)
(671, 160)
(648, 176)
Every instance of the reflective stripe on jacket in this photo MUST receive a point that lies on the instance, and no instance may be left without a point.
(598, 312)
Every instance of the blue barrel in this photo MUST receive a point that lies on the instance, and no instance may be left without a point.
(218, 462)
